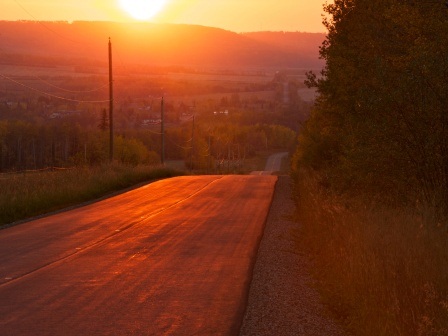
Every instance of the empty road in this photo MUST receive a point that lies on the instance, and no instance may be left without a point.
(273, 164)
(171, 258)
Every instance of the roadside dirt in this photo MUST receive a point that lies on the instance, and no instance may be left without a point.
(282, 300)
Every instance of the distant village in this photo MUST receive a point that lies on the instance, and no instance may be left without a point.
(284, 91)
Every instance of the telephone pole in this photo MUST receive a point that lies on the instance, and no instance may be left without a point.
(192, 147)
(111, 106)
(162, 156)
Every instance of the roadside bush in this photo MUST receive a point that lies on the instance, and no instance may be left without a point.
(133, 152)
(382, 271)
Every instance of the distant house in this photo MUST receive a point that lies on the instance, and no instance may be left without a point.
(12, 105)
(54, 115)
(64, 114)
(185, 117)
(226, 113)
(151, 122)
(145, 108)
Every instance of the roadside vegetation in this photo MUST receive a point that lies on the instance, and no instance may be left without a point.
(216, 132)
(55, 153)
(209, 145)
(32, 193)
(26, 195)
(371, 168)
(381, 270)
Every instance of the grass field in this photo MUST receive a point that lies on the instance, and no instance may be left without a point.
(32, 194)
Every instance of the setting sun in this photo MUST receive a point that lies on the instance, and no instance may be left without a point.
(142, 9)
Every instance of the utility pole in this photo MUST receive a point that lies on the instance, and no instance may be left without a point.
(162, 156)
(209, 154)
(111, 106)
(53, 154)
(192, 148)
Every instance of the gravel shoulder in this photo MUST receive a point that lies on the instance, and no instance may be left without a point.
(281, 299)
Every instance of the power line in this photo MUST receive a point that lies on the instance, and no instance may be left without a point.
(155, 133)
(65, 38)
(71, 91)
(18, 73)
(175, 144)
(46, 27)
(52, 95)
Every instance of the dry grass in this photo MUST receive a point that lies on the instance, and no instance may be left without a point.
(381, 271)
(31, 194)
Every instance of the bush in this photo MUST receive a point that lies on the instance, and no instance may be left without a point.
(382, 271)
(133, 152)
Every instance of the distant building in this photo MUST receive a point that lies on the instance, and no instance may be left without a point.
(226, 112)
(185, 117)
(151, 122)
(64, 114)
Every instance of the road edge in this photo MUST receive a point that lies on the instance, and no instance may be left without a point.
(282, 300)
(242, 309)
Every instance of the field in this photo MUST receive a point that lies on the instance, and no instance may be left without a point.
(78, 80)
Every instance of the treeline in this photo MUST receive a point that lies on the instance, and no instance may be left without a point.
(203, 146)
(26, 146)
(371, 167)
(380, 126)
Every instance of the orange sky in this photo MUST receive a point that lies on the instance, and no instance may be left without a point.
(234, 15)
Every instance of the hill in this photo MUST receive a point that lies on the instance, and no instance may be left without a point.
(49, 43)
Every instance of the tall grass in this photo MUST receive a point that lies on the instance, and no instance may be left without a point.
(382, 271)
(30, 194)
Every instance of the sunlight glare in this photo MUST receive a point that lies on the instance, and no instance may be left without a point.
(142, 9)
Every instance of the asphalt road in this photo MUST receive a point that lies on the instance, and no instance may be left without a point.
(273, 164)
(171, 258)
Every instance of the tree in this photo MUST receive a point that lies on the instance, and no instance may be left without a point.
(381, 122)
(104, 121)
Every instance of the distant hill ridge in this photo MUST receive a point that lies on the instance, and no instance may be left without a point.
(156, 44)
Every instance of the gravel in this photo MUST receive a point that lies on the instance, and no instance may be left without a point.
(281, 299)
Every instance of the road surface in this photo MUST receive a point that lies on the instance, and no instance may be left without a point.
(273, 164)
(171, 258)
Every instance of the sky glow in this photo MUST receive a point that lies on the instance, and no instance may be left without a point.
(234, 15)
(142, 10)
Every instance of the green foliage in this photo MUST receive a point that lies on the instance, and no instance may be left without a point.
(381, 122)
(280, 137)
(133, 152)
(225, 146)
(371, 167)
(26, 146)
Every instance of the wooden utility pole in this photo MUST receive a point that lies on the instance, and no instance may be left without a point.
(192, 147)
(162, 155)
(53, 154)
(111, 106)
(209, 154)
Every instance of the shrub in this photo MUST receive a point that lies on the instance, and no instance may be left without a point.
(382, 271)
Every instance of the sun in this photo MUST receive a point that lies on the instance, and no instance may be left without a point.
(142, 9)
